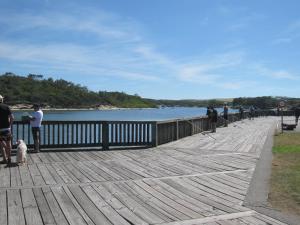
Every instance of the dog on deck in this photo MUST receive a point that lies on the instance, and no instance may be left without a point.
(21, 152)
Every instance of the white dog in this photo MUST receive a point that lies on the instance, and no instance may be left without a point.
(21, 152)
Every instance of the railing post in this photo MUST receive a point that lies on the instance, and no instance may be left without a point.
(177, 130)
(154, 134)
(105, 135)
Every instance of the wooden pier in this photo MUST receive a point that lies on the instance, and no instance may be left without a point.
(201, 179)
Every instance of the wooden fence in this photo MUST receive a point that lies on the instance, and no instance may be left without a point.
(102, 134)
(105, 134)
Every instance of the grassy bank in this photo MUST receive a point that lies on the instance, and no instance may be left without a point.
(285, 180)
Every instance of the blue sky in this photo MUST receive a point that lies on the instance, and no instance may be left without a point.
(163, 49)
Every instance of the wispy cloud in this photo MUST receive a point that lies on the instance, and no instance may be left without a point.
(275, 74)
(111, 54)
(290, 34)
(100, 23)
(210, 71)
(106, 45)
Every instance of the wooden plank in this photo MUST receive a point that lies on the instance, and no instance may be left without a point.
(212, 218)
(181, 210)
(43, 206)
(80, 209)
(103, 206)
(36, 175)
(54, 207)
(106, 168)
(31, 211)
(125, 172)
(91, 174)
(89, 208)
(102, 174)
(4, 176)
(3, 207)
(15, 178)
(180, 197)
(76, 173)
(193, 192)
(70, 211)
(15, 208)
(25, 176)
(49, 180)
(152, 204)
(44, 157)
(65, 176)
(230, 191)
(138, 207)
(54, 174)
(268, 219)
(117, 205)
(35, 158)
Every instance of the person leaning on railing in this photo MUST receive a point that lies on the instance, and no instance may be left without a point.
(6, 120)
(36, 123)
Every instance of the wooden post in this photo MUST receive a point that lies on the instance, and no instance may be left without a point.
(281, 120)
(154, 134)
(105, 135)
(177, 130)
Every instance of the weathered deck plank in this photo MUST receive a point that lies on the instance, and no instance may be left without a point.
(202, 179)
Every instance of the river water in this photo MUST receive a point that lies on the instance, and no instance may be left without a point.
(122, 114)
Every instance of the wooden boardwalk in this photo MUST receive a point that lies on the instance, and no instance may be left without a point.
(201, 179)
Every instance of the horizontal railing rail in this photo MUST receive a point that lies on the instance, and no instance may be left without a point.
(106, 134)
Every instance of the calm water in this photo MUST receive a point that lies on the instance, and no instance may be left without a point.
(124, 114)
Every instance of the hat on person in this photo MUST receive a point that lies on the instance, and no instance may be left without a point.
(1, 97)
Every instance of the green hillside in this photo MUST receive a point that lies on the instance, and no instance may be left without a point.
(62, 94)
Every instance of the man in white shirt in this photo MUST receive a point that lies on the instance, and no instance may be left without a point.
(36, 123)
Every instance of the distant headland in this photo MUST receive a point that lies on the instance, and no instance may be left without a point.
(21, 92)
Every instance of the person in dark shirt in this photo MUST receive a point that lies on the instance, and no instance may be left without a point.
(6, 120)
(225, 115)
(251, 112)
(209, 115)
(241, 111)
(214, 119)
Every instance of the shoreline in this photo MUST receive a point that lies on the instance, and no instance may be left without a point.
(77, 109)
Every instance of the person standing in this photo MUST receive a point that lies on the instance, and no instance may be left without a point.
(6, 121)
(225, 115)
(209, 115)
(36, 123)
(241, 110)
(214, 119)
(251, 112)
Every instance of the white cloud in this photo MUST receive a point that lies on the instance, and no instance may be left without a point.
(290, 34)
(100, 23)
(275, 74)
(210, 70)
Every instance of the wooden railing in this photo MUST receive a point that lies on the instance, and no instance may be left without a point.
(172, 130)
(102, 134)
(105, 134)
